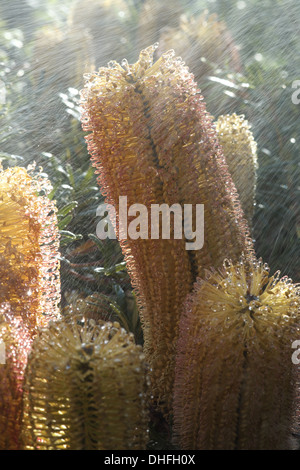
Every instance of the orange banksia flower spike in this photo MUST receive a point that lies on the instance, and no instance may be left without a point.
(151, 140)
(29, 284)
(85, 389)
(15, 342)
(235, 381)
(29, 267)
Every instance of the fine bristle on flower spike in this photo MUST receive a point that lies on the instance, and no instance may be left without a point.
(151, 140)
(29, 283)
(86, 388)
(29, 264)
(15, 342)
(235, 381)
(240, 151)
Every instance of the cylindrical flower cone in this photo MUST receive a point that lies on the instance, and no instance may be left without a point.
(240, 151)
(15, 342)
(152, 141)
(235, 381)
(29, 252)
(85, 389)
(29, 287)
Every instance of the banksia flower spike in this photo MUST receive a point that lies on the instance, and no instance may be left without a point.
(29, 264)
(15, 342)
(235, 380)
(152, 141)
(240, 151)
(29, 284)
(85, 389)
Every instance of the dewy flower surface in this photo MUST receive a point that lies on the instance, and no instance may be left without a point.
(235, 382)
(29, 284)
(85, 389)
(17, 338)
(151, 139)
(29, 265)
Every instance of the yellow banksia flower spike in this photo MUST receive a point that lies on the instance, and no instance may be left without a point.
(29, 259)
(85, 389)
(152, 141)
(15, 342)
(235, 381)
(240, 151)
